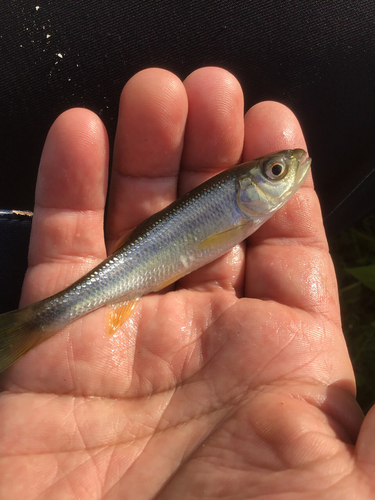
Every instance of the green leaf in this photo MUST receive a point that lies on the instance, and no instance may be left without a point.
(365, 275)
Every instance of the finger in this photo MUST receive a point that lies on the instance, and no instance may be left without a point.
(67, 230)
(365, 446)
(214, 129)
(148, 146)
(213, 142)
(270, 126)
(288, 258)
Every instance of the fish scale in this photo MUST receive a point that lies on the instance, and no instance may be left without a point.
(139, 266)
(191, 232)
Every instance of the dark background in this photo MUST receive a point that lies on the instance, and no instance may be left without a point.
(317, 57)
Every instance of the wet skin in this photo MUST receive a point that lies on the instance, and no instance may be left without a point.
(235, 382)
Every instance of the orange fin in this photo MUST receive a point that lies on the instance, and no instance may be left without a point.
(118, 313)
(221, 238)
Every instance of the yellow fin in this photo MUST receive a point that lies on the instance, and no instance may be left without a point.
(169, 282)
(118, 313)
(221, 238)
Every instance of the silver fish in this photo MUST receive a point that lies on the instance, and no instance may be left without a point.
(191, 232)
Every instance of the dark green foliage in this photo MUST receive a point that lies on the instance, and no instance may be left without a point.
(353, 253)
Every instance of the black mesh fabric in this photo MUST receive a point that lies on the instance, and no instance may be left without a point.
(318, 57)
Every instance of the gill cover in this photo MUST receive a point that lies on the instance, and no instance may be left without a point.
(271, 182)
(251, 198)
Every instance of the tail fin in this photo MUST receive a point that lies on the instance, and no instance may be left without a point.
(18, 334)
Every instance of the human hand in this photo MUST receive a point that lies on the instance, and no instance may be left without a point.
(236, 382)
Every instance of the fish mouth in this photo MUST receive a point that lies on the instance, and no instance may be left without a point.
(303, 165)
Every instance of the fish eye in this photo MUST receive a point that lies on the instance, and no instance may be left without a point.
(275, 170)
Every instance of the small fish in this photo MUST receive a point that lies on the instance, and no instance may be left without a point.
(191, 232)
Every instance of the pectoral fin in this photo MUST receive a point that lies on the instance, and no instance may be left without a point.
(221, 238)
(118, 313)
(169, 282)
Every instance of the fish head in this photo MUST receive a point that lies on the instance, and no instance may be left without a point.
(270, 181)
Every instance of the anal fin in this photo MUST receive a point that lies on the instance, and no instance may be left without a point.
(118, 313)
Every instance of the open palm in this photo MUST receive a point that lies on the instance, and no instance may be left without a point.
(233, 384)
